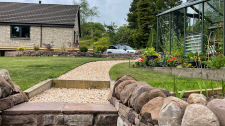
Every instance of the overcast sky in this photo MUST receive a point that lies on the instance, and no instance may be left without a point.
(110, 10)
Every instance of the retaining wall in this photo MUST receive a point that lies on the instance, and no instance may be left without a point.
(71, 54)
(60, 114)
(203, 73)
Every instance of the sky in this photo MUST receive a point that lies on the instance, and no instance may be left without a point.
(109, 10)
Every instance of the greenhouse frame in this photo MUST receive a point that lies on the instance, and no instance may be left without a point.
(195, 26)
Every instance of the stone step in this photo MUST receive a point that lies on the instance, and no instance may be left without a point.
(60, 107)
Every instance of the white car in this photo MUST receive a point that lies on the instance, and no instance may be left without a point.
(119, 48)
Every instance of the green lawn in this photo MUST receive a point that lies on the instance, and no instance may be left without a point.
(28, 71)
(159, 80)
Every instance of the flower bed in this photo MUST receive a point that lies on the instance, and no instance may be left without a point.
(193, 60)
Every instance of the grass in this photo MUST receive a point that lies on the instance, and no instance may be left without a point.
(28, 71)
(160, 80)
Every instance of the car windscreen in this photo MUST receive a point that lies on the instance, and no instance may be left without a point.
(123, 47)
(129, 48)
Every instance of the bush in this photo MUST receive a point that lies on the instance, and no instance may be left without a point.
(36, 47)
(21, 48)
(101, 48)
(83, 49)
(95, 39)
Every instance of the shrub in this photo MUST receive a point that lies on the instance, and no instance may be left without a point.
(48, 46)
(21, 48)
(36, 47)
(101, 48)
(95, 39)
(83, 49)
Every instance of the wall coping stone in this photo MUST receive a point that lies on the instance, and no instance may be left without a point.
(60, 107)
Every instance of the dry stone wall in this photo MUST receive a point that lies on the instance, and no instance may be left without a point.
(149, 106)
(71, 54)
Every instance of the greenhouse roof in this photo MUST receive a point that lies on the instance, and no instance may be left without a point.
(186, 4)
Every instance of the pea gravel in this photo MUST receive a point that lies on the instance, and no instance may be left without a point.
(90, 71)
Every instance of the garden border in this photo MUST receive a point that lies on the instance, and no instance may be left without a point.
(203, 73)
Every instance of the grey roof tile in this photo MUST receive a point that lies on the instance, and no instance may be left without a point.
(38, 13)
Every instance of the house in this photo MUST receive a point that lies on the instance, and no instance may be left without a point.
(26, 24)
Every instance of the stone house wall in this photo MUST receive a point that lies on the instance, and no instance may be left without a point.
(49, 34)
(57, 34)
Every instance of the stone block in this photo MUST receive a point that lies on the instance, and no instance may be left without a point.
(125, 108)
(119, 121)
(0, 120)
(126, 123)
(78, 119)
(131, 116)
(6, 103)
(123, 113)
(60, 120)
(117, 104)
(19, 120)
(137, 121)
(106, 120)
(17, 98)
(53, 119)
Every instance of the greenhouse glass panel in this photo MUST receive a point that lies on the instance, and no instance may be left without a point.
(164, 33)
(213, 28)
(177, 32)
(194, 27)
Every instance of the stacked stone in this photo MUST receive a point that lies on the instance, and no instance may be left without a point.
(71, 54)
(10, 93)
(140, 104)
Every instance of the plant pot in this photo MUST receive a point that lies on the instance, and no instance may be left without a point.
(48, 49)
(196, 64)
(72, 50)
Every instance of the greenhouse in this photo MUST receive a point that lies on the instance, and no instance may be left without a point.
(194, 26)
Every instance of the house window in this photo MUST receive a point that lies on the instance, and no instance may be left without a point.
(20, 31)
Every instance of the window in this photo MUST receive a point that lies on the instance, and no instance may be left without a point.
(112, 47)
(20, 31)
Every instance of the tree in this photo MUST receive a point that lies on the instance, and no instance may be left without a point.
(94, 29)
(123, 35)
(86, 12)
(111, 29)
(152, 38)
(132, 15)
(145, 20)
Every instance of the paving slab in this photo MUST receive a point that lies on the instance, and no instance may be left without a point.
(35, 108)
(89, 108)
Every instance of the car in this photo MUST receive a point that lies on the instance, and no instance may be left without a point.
(120, 48)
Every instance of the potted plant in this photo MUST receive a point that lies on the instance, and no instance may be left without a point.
(72, 45)
(48, 46)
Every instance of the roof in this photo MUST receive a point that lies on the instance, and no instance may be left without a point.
(12, 12)
(186, 4)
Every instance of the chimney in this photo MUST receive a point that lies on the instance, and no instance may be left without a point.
(39, 1)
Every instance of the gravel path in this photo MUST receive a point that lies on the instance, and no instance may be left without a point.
(91, 71)
(73, 95)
